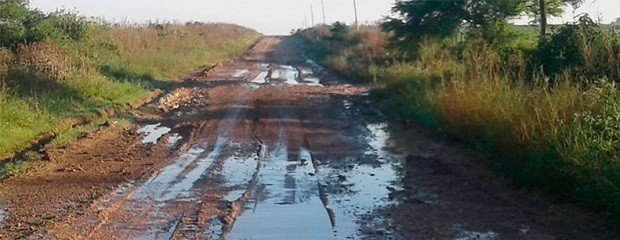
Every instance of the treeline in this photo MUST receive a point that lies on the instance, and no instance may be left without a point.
(58, 66)
(547, 106)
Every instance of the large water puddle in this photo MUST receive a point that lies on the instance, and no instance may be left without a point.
(294, 200)
(285, 204)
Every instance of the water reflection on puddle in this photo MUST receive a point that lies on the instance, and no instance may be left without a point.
(293, 200)
(285, 204)
(152, 133)
(286, 74)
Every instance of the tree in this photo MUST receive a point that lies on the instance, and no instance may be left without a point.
(422, 18)
(12, 15)
(540, 10)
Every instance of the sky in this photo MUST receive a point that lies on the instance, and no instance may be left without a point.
(271, 17)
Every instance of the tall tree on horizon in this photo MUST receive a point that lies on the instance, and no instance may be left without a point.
(540, 10)
(416, 19)
(421, 18)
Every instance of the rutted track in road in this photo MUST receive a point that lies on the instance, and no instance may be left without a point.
(270, 146)
(270, 152)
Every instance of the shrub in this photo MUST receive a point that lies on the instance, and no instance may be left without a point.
(43, 59)
(584, 50)
(19, 25)
(6, 58)
(340, 31)
(348, 52)
(592, 148)
(57, 26)
(12, 15)
(38, 68)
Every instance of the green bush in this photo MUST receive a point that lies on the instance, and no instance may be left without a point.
(13, 13)
(57, 26)
(584, 50)
(19, 25)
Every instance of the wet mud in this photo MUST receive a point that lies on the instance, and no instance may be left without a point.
(272, 146)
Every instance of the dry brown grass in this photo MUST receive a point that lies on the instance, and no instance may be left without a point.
(43, 59)
(373, 42)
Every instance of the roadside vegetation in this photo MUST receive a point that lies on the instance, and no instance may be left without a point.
(58, 66)
(546, 106)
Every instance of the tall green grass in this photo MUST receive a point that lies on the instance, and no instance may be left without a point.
(44, 84)
(166, 52)
(559, 132)
(564, 137)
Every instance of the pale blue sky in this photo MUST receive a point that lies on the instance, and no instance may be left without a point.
(266, 16)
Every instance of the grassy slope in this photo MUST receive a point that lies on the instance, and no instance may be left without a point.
(109, 71)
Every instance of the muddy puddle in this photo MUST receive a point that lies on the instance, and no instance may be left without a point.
(285, 74)
(174, 139)
(165, 185)
(152, 133)
(299, 199)
(241, 73)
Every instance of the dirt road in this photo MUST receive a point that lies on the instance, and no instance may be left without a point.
(273, 147)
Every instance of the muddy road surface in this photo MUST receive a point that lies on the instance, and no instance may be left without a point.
(273, 146)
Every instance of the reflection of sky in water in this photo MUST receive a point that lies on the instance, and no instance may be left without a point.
(285, 203)
(152, 133)
(172, 141)
(287, 74)
(238, 171)
(366, 185)
(241, 73)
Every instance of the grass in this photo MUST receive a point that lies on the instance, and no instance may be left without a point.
(556, 132)
(166, 54)
(79, 132)
(45, 84)
(12, 169)
(18, 166)
(564, 139)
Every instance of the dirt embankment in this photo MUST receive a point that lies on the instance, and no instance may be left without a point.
(272, 146)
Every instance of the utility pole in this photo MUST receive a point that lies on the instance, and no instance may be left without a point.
(355, 9)
(312, 14)
(323, 6)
